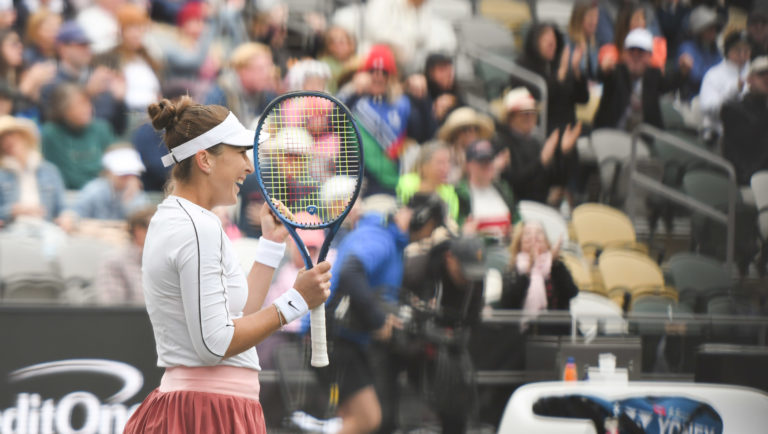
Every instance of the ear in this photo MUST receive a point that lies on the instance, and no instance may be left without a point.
(204, 161)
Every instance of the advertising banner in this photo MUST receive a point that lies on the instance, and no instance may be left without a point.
(73, 370)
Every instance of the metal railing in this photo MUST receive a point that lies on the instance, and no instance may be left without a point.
(727, 218)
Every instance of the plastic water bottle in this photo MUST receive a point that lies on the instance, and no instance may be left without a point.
(570, 373)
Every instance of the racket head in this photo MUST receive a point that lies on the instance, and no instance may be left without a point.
(308, 157)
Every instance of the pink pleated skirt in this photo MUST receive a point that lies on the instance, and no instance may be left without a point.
(201, 400)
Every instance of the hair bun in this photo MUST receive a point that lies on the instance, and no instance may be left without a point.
(163, 114)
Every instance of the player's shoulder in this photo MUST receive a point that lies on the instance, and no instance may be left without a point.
(176, 215)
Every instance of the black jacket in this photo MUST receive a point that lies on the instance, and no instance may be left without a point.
(745, 135)
(562, 97)
(515, 288)
(617, 90)
(529, 179)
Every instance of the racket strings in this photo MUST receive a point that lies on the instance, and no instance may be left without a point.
(311, 162)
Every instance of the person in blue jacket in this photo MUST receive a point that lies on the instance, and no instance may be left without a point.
(366, 280)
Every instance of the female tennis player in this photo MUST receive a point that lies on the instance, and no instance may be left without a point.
(206, 314)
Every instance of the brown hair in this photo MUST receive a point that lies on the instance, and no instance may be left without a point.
(576, 24)
(182, 122)
(623, 20)
(61, 96)
(140, 218)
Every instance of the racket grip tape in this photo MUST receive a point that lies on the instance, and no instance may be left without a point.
(317, 337)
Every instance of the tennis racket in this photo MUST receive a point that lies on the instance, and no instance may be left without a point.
(309, 164)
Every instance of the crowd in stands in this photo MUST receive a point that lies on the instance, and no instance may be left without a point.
(76, 143)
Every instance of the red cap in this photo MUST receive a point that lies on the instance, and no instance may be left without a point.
(381, 57)
(190, 11)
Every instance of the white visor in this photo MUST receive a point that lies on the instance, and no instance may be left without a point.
(230, 131)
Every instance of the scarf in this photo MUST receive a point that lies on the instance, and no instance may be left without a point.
(536, 298)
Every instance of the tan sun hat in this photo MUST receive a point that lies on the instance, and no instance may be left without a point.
(465, 117)
(27, 128)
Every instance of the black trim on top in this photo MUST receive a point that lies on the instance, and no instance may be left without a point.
(199, 301)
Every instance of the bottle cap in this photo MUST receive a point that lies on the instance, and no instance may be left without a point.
(570, 360)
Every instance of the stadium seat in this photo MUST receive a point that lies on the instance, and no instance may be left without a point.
(598, 227)
(78, 260)
(708, 236)
(626, 271)
(698, 279)
(612, 149)
(580, 272)
(27, 274)
(592, 311)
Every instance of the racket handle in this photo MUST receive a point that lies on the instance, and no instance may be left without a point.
(317, 335)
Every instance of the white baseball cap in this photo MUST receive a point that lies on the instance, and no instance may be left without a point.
(123, 161)
(639, 38)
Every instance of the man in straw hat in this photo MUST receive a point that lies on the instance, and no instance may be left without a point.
(30, 187)
(530, 165)
(462, 127)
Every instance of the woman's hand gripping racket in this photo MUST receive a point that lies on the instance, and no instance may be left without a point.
(309, 163)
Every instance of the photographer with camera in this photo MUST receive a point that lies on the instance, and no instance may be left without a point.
(443, 296)
(365, 288)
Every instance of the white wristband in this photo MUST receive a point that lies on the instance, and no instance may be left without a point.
(292, 305)
(269, 252)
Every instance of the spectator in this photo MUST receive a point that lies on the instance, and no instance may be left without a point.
(745, 130)
(757, 27)
(528, 165)
(486, 205)
(23, 84)
(104, 85)
(537, 280)
(117, 192)
(132, 60)
(581, 32)
(442, 89)
(547, 55)
(384, 118)
(724, 82)
(610, 11)
(72, 139)
(8, 15)
(249, 85)
(634, 15)
(339, 54)
(40, 39)
(451, 274)
(463, 126)
(704, 25)
(410, 27)
(30, 187)
(191, 54)
(632, 88)
(671, 16)
(187, 53)
(118, 276)
(367, 276)
(308, 74)
(270, 27)
(430, 176)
